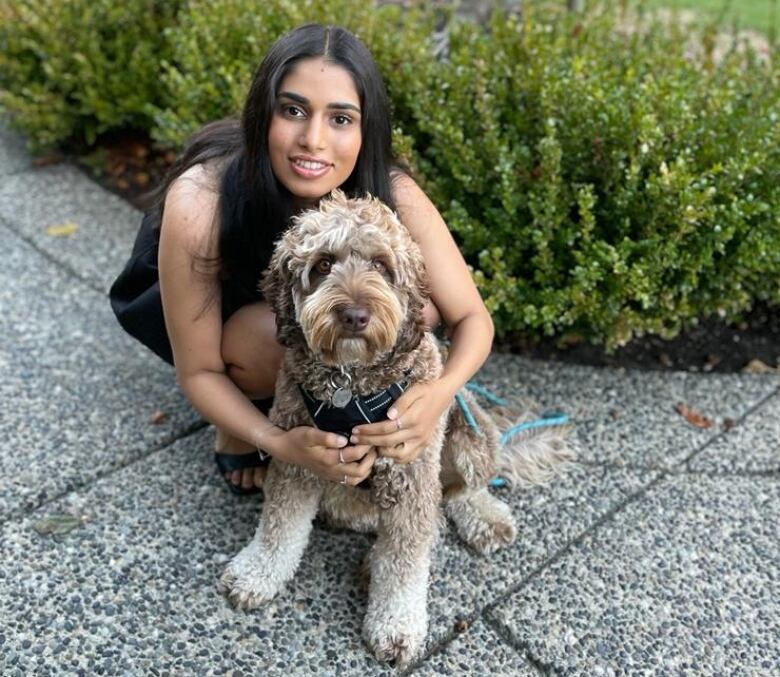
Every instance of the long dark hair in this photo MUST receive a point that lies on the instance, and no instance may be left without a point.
(254, 208)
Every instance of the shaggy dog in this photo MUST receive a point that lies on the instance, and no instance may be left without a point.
(348, 286)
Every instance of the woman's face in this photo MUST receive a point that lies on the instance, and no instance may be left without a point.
(314, 137)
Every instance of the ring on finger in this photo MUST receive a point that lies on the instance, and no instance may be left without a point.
(344, 481)
(341, 457)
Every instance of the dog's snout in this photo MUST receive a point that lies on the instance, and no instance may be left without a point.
(354, 318)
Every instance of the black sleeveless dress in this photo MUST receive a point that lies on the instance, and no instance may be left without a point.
(135, 294)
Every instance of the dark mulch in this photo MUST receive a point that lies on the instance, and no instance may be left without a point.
(129, 165)
(711, 346)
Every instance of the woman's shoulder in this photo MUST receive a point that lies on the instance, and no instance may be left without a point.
(200, 180)
(415, 208)
(404, 187)
(191, 202)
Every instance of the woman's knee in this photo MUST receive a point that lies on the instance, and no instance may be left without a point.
(431, 316)
(250, 349)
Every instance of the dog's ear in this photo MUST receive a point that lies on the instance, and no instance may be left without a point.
(413, 279)
(276, 287)
(412, 329)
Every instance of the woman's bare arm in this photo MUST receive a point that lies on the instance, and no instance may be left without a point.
(192, 308)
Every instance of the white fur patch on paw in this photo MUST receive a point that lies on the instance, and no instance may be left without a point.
(483, 521)
(396, 637)
(248, 579)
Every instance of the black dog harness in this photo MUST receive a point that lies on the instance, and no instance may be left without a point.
(358, 410)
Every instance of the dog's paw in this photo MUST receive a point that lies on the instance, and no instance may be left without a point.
(483, 521)
(396, 639)
(246, 581)
(489, 536)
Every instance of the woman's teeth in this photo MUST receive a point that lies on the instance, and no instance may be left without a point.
(310, 165)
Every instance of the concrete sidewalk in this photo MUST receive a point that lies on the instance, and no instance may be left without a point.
(657, 554)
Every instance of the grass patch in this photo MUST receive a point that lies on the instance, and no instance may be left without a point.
(759, 15)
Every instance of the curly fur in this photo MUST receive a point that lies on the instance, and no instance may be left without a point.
(372, 262)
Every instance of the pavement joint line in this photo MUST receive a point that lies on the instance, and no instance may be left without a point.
(616, 465)
(774, 473)
(723, 433)
(520, 647)
(445, 640)
(52, 259)
(161, 446)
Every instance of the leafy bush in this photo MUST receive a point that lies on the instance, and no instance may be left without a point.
(75, 68)
(600, 182)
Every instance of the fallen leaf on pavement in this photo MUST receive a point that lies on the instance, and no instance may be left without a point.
(759, 367)
(47, 159)
(62, 229)
(693, 417)
(58, 524)
(461, 625)
(158, 417)
(728, 424)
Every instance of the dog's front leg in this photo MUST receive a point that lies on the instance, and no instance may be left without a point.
(397, 617)
(260, 570)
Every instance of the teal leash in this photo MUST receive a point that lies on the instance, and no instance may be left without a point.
(548, 418)
(490, 397)
(467, 414)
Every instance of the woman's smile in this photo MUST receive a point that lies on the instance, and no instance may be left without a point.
(309, 168)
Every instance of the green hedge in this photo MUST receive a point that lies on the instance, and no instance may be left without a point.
(71, 69)
(599, 181)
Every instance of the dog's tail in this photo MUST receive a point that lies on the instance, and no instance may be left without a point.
(534, 450)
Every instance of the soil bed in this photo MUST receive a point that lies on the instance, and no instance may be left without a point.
(128, 165)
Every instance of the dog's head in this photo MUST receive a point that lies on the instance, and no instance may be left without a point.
(349, 280)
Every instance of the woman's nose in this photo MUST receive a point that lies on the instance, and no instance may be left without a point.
(313, 136)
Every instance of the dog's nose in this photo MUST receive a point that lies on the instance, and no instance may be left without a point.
(354, 318)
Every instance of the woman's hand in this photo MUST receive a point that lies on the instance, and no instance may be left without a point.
(410, 425)
(324, 454)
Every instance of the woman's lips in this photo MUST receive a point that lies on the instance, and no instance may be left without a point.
(309, 169)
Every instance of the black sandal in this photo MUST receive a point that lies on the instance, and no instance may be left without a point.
(230, 462)
(254, 459)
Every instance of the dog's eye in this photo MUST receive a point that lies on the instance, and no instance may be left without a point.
(322, 266)
(379, 266)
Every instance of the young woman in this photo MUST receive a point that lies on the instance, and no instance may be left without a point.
(316, 118)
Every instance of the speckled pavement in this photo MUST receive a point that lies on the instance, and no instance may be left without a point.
(657, 553)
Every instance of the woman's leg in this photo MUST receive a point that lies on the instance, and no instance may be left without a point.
(252, 357)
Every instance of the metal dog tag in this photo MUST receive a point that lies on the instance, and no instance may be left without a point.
(342, 393)
(341, 397)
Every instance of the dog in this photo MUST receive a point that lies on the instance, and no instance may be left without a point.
(348, 285)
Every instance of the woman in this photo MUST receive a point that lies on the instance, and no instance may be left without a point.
(316, 118)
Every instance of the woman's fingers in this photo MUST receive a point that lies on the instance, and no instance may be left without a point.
(361, 470)
(387, 440)
(352, 454)
(319, 438)
(400, 453)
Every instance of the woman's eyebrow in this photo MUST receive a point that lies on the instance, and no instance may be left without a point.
(338, 105)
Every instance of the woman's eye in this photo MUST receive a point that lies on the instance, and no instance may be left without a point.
(292, 111)
(342, 120)
(379, 266)
(322, 266)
